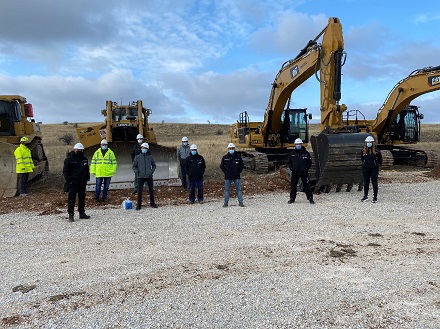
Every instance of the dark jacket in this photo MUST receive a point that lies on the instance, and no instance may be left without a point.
(195, 167)
(371, 161)
(144, 165)
(232, 165)
(76, 169)
(136, 151)
(299, 161)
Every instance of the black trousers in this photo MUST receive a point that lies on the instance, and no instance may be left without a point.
(306, 186)
(141, 182)
(371, 174)
(22, 183)
(71, 199)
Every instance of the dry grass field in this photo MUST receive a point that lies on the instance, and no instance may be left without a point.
(211, 139)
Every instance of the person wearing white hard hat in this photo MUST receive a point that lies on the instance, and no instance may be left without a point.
(103, 166)
(144, 167)
(195, 167)
(136, 150)
(232, 165)
(371, 160)
(76, 175)
(299, 163)
(24, 165)
(182, 153)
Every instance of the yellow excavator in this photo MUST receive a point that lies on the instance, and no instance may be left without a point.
(122, 125)
(16, 121)
(336, 149)
(273, 139)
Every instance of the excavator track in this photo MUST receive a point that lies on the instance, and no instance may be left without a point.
(256, 162)
(408, 155)
(387, 159)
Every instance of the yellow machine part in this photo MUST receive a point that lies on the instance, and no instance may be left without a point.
(8, 176)
(166, 165)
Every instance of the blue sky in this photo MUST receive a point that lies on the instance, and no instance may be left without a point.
(206, 60)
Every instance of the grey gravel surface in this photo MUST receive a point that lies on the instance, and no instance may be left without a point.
(337, 264)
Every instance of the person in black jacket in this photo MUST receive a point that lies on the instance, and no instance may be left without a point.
(144, 167)
(299, 163)
(195, 169)
(76, 174)
(232, 165)
(371, 159)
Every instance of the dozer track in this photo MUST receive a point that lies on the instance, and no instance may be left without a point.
(337, 158)
(166, 172)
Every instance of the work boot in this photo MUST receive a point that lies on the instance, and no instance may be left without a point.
(291, 201)
(225, 205)
(71, 218)
(84, 216)
(240, 204)
(153, 205)
(311, 201)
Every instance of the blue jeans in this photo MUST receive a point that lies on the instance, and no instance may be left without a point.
(99, 181)
(237, 189)
(192, 190)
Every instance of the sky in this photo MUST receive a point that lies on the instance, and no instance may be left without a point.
(205, 61)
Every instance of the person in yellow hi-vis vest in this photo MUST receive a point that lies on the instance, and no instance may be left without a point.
(103, 166)
(24, 165)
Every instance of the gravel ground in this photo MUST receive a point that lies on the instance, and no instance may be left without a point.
(337, 264)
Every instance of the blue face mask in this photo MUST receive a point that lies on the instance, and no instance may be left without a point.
(140, 141)
(193, 152)
(298, 147)
(104, 147)
(185, 143)
(231, 151)
(369, 144)
(144, 150)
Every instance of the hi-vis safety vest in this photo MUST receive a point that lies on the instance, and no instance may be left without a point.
(23, 160)
(103, 165)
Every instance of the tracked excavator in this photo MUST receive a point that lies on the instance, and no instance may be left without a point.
(122, 124)
(397, 124)
(273, 139)
(16, 121)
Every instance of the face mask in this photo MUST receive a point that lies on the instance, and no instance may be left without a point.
(185, 143)
(193, 152)
(369, 144)
(140, 141)
(144, 150)
(298, 147)
(231, 151)
(104, 147)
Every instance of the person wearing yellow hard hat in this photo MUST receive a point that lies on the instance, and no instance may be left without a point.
(24, 165)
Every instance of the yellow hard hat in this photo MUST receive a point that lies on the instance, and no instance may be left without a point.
(24, 139)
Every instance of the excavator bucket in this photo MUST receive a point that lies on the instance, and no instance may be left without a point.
(166, 165)
(8, 177)
(337, 159)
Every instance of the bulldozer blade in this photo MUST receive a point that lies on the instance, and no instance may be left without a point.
(8, 177)
(166, 172)
(337, 158)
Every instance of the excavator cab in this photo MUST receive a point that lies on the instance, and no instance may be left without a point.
(406, 126)
(295, 124)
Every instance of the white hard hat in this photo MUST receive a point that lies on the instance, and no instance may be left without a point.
(184, 139)
(231, 145)
(193, 147)
(298, 141)
(104, 142)
(369, 139)
(145, 145)
(78, 146)
(139, 136)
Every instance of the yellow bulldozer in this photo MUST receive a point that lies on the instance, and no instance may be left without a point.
(16, 121)
(122, 124)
